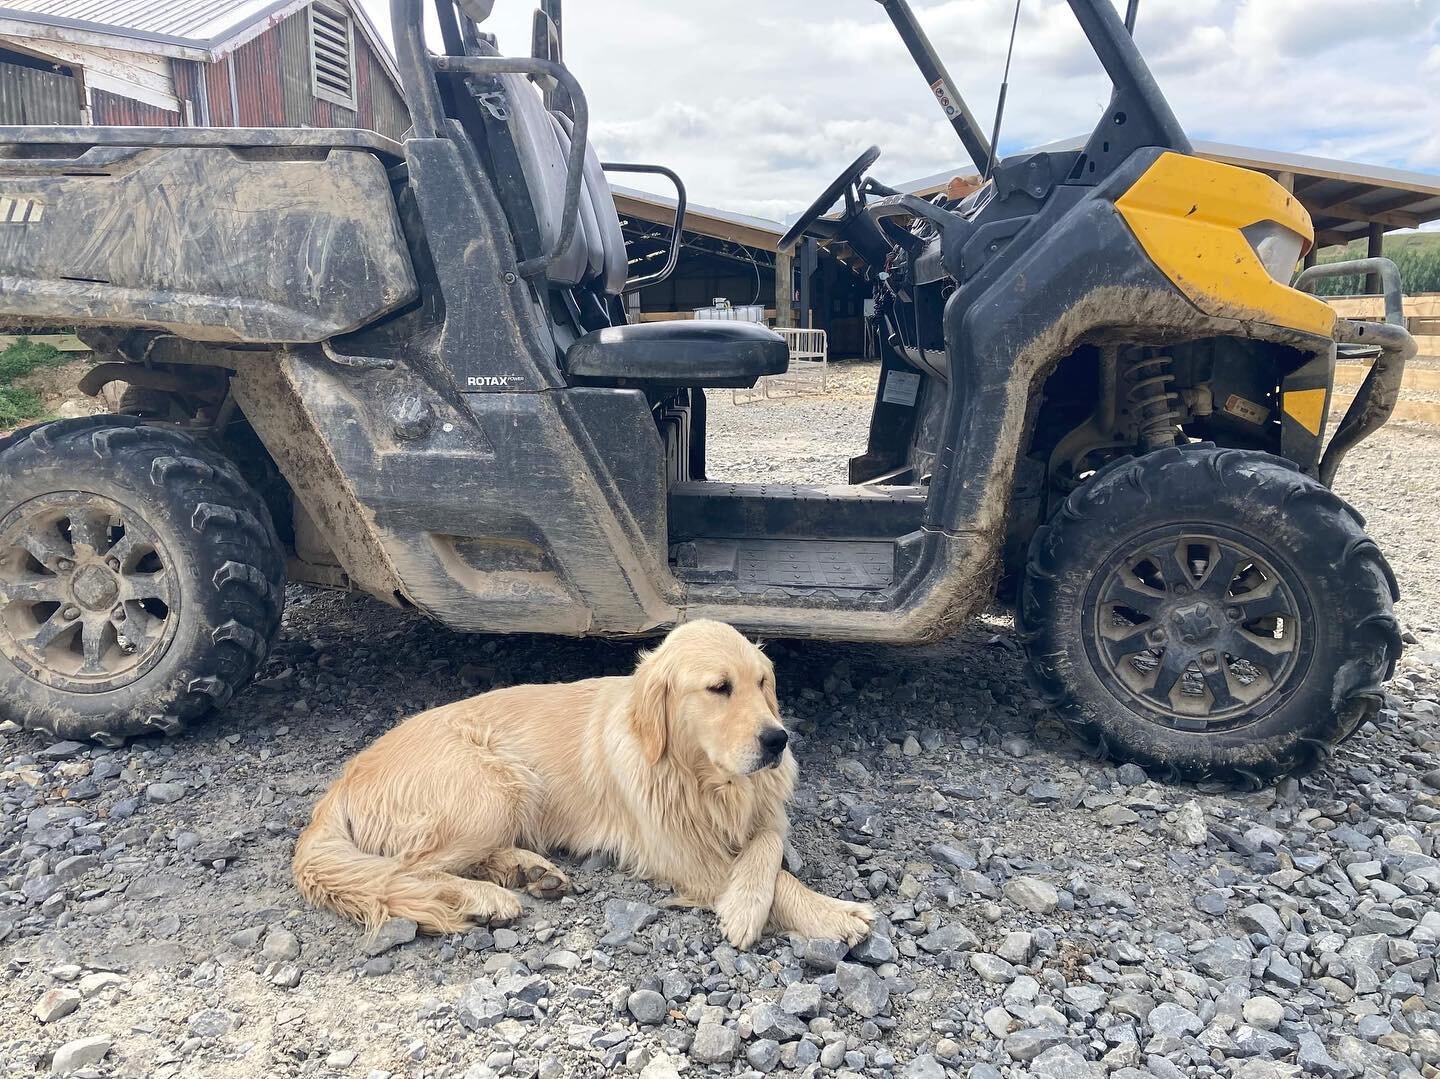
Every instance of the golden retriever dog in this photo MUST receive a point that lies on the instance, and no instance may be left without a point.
(681, 771)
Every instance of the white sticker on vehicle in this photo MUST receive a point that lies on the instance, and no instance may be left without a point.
(901, 388)
(948, 96)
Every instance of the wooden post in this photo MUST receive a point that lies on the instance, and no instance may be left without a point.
(784, 289)
(1374, 250)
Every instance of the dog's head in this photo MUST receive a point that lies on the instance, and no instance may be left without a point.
(708, 690)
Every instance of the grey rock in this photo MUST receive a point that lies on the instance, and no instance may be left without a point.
(763, 1055)
(823, 954)
(647, 1006)
(951, 937)
(1264, 1013)
(1029, 1042)
(391, 934)
(801, 999)
(61, 751)
(1064, 1062)
(1032, 894)
(714, 1044)
(862, 990)
(164, 793)
(874, 949)
(1224, 958)
(1189, 827)
(624, 918)
(1172, 1020)
(1253, 1042)
(923, 1067)
(1259, 918)
(211, 1023)
(991, 968)
(772, 1021)
(80, 1053)
(280, 944)
(56, 1004)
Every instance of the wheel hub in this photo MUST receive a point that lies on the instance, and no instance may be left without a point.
(1195, 623)
(1198, 632)
(95, 587)
(89, 600)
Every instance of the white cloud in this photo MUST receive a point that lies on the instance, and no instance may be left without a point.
(759, 104)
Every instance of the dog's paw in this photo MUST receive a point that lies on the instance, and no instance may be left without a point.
(547, 882)
(843, 920)
(742, 918)
(500, 909)
(856, 921)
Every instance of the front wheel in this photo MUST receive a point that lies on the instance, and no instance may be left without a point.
(1213, 615)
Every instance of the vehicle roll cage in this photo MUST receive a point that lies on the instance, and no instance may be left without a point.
(1138, 115)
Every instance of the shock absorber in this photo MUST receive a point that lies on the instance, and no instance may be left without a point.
(1151, 403)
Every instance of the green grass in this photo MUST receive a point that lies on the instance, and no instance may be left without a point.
(17, 403)
(1417, 255)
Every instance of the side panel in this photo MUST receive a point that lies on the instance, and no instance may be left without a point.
(211, 243)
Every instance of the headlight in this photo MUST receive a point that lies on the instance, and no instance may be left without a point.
(1277, 247)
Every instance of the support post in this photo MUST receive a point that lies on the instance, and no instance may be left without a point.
(809, 260)
(784, 289)
(1375, 249)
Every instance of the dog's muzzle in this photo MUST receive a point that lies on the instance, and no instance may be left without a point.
(772, 746)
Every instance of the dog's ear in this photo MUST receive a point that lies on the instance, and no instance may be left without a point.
(650, 707)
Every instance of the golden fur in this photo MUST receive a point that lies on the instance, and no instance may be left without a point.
(666, 769)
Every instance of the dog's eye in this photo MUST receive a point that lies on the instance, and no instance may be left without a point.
(722, 688)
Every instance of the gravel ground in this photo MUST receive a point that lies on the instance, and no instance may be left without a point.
(1044, 916)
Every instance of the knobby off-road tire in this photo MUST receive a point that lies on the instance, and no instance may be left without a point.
(141, 579)
(1251, 585)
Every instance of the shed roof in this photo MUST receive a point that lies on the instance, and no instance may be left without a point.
(1342, 197)
(188, 29)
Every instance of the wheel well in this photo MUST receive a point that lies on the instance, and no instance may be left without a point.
(1105, 400)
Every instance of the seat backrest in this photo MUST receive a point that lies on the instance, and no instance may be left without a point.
(596, 255)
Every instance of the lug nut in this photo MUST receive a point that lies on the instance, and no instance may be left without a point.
(1232, 613)
(1182, 590)
(113, 563)
(64, 565)
(71, 613)
(118, 614)
(1209, 658)
(1158, 634)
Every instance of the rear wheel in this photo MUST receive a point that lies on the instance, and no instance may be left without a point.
(141, 581)
(1210, 614)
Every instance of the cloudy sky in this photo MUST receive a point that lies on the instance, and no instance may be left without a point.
(759, 103)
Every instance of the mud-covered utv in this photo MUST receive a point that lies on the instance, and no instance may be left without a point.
(406, 370)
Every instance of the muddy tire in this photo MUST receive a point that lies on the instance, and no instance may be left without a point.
(1212, 615)
(141, 580)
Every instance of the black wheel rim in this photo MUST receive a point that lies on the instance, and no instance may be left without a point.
(1197, 630)
(89, 597)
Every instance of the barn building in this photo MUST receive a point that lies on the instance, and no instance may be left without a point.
(196, 63)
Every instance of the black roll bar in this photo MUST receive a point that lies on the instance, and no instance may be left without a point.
(941, 85)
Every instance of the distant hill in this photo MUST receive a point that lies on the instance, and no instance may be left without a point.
(1417, 254)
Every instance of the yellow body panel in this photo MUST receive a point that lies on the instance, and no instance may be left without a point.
(1187, 213)
(1307, 408)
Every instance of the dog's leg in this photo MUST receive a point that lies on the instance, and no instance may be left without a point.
(797, 909)
(744, 905)
(521, 868)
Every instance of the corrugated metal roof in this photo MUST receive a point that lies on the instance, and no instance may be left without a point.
(199, 23)
(1341, 196)
(194, 29)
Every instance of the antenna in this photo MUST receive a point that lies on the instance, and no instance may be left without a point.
(1004, 90)
(1131, 11)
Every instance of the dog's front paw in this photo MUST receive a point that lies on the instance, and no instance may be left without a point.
(839, 919)
(742, 917)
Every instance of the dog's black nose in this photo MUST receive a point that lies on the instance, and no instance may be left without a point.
(774, 740)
